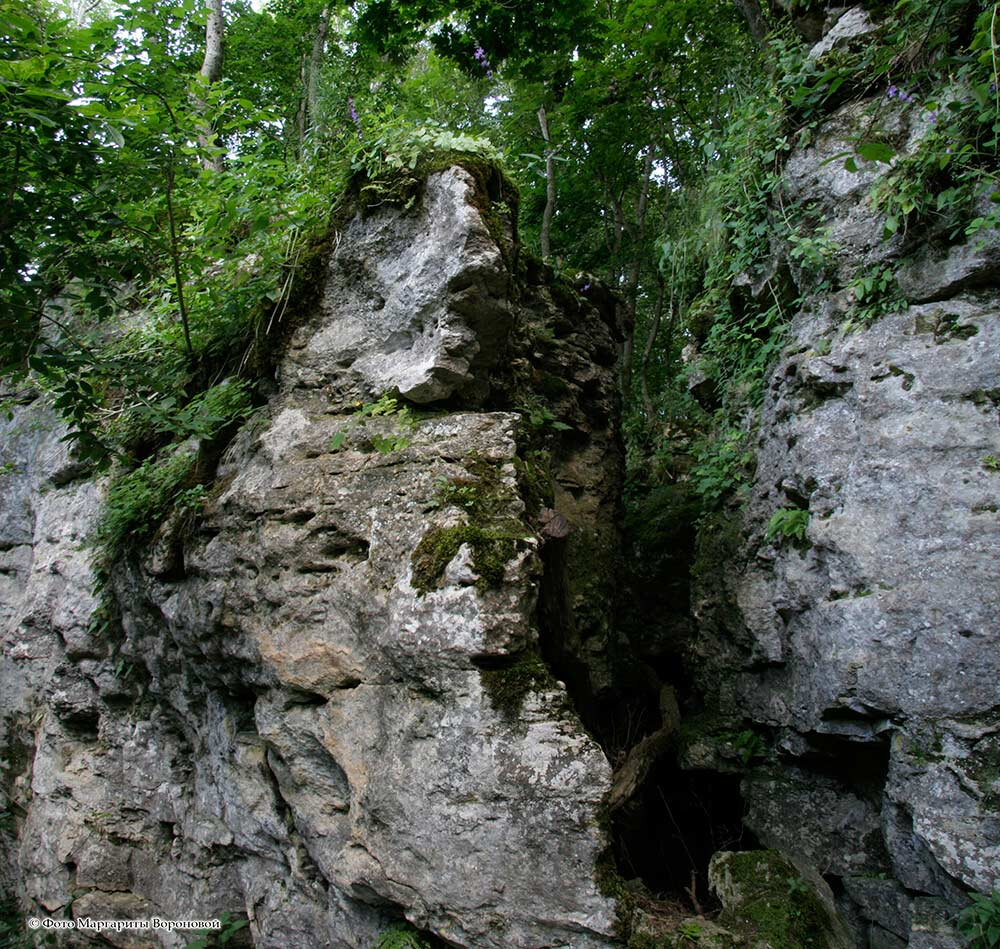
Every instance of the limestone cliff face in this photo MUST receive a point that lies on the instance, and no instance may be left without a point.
(328, 705)
(868, 656)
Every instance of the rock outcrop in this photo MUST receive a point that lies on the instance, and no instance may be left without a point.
(866, 656)
(327, 702)
(364, 680)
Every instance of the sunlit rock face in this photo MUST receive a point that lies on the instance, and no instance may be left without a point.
(326, 707)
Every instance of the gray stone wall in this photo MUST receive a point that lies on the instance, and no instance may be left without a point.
(868, 655)
(289, 724)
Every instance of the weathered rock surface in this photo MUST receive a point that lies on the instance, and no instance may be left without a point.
(311, 715)
(869, 654)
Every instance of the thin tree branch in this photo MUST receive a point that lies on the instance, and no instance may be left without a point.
(550, 187)
(175, 260)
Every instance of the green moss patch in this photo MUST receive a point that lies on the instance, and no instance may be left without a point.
(508, 685)
(493, 535)
(492, 549)
(481, 493)
(611, 884)
(774, 903)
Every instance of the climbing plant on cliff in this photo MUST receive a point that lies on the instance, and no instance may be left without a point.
(926, 65)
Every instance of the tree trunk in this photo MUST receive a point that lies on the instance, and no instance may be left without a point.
(614, 224)
(315, 61)
(754, 16)
(211, 71)
(632, 286)
(301, 117)
(550, 187)
(211, 68)
(647, 400)
(175, 260)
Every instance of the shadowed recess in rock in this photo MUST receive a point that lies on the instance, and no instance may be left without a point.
(674, 823)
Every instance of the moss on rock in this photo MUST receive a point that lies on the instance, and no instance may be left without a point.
(611, 884)
(492, 549)
(508, 686)
(767, 898)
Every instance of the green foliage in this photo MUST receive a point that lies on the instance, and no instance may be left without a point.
(811, 247)
(980, 921)
(991, 463)
(386, 444)
(807, 88)
(728, 236)
(749, 745)
(723, 461)
(788, 524)
(402, 936)
(13, 932)
(139, 500)
(397, 148)
(198, 266)
(949, 179)
(690, 931)
(203, 417)
(734, 239)
(538, 416)
(387, 406)
(211, 939)
(875, 294)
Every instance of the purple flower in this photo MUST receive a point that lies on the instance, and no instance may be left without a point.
(585, 288)
(353, 113)
(894, 92)
(480, 55)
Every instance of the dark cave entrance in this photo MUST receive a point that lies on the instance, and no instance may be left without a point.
(667, 833)
(630, 686)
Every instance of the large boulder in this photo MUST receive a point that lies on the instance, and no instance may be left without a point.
(325, 703)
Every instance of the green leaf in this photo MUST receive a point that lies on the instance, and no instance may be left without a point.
(876, 151)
